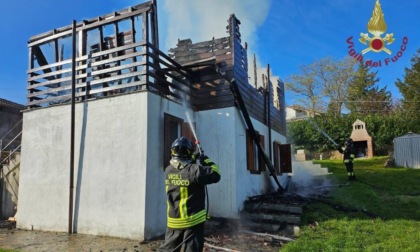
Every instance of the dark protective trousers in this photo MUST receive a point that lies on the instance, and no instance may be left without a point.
(350, 172)
(349, 167)
(190, 240)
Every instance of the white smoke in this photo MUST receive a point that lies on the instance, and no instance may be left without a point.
(309, 180)
(201, 20)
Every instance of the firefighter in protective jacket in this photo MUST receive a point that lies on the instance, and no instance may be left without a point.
(186, 182)
(349, 153)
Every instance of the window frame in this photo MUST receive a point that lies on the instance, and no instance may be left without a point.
(282, 158)
(183, 129)
(168, 139)
(255, 160)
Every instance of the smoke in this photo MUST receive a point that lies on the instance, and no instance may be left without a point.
(308, 179)
(201, 20)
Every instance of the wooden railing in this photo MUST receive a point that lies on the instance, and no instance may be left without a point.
(125, 69)
(115, 53)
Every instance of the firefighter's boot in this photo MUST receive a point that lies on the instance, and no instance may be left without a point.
(351, 176)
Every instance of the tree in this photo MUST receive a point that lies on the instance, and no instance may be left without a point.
(364, 96)
(304, 85)
(335, 77)
(410, 87)
(324, 82)
(302, 135)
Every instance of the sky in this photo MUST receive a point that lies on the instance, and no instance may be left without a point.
(284, 34)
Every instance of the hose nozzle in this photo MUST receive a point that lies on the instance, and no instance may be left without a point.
(197, 142)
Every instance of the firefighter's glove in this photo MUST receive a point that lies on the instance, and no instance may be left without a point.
(203, 159)
(196, 155)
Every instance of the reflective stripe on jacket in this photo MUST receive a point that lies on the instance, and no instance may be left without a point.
(185, 188)
(349, 154)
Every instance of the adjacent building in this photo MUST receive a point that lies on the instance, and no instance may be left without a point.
(295, 112)
(10, 141)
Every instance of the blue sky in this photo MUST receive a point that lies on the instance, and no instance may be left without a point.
(285, 34)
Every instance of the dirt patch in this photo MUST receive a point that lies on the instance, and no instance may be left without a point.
(220, 235)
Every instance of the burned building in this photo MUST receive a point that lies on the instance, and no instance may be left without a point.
(105, 104)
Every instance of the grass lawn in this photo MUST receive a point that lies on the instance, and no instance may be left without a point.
(380, 211)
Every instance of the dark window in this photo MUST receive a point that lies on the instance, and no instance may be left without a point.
(255, 160)
(276, 155)
(282, 158)
(174, 128)
(187, 132)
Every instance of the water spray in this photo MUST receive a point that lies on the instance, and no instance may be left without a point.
(313, 123)
(190, 123)
(197, 142)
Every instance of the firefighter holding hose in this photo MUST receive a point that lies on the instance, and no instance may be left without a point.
(349, 153)
(186, 181)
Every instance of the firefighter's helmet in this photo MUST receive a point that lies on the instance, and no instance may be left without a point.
(348, 141)
(182, 148)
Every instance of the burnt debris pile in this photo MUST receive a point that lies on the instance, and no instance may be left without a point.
(273, 212)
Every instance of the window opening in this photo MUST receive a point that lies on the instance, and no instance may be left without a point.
(255, 161)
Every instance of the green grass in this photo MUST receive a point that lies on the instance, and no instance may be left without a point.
(378, 212)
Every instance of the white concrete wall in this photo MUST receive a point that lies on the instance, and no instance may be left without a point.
(223, 138)
(44, 178)
(216, 132)
(110, 169)
(290, 113)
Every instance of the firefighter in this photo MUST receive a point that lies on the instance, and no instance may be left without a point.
(349, 152)
(186, 182)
